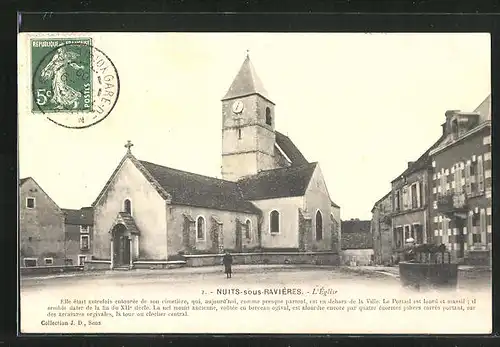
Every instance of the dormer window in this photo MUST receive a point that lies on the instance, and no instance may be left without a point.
(461, 122)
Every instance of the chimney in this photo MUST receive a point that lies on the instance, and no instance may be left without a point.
(444, 128)
(410, 163)
(450, 113)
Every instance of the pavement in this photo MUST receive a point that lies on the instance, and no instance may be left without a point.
(178, 271)
(377, 271)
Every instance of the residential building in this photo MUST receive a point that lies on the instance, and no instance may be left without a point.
(41, 227)
(78, 236)
(461, 190)
(357, 242)
(381, 230)
(411, 198)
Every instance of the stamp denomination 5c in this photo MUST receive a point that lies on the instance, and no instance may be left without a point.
(74, 84)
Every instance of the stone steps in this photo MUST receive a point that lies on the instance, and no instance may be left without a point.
(122, 268)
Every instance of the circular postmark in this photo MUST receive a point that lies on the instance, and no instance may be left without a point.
(75, 85)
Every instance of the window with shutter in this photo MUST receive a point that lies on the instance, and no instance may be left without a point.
(468, 183)
(482, 221)
(445, 230)
(443, 184)
(421, 194)
(414, 195)
(458, 179)
(480, 174)
(469, 229)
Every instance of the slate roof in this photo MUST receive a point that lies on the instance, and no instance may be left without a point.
(83, 216)
(334, 204)
(22, 180)
(246, 82)
(278, 183)
(379, 200)
(421, 162)
(485, 107)
(129, 222)
(291, 151)
(191, 189)
(355, 226)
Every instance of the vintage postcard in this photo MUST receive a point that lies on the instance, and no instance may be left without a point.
(217, 183)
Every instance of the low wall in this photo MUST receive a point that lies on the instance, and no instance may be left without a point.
(43, 270)
(90, 265)
(357, 257)
(478, 257)
(317, 258)
(428, 275)
(158, 264)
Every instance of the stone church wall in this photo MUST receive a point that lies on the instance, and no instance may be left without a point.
(180, 216)
(148, 210)
(288, 236)
(317, 199)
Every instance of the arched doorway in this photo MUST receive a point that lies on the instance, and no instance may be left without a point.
(121, 246)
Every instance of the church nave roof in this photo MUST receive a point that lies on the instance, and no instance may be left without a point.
(290, 150)
(192, 189)
(278, 183)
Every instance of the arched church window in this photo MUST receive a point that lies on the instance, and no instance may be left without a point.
(127, 206)
(269, 119)
(319, 226)
(275, 222)
(200, 228)
(248, 228)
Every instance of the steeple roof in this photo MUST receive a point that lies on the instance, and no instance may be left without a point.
(246, 82)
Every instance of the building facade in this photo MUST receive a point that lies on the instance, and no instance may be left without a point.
(461, 191)
(411, 192)
(78, 235)
(41, 227)
(357, 242)
(381, 230)
(270, 198)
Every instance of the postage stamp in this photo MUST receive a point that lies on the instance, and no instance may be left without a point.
(74, 84)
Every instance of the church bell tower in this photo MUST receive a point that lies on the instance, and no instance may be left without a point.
(248, 135)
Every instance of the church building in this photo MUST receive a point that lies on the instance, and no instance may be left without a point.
(270, 198)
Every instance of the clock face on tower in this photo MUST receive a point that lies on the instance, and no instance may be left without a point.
(238, 107)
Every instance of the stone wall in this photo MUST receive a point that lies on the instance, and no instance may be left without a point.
(41, 229)
(91, 265)
(357, 257)
(315, 258)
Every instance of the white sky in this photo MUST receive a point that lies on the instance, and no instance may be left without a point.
(362, 105)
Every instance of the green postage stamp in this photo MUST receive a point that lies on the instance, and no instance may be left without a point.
(74, 84)
(62, 75)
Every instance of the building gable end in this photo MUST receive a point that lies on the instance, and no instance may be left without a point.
(143, 171)
(24, 180)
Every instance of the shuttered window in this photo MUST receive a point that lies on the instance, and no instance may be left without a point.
(445, 230)
(468, 183)
(482, 220)
(443, 183)
(458, 179)
(480, 174)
